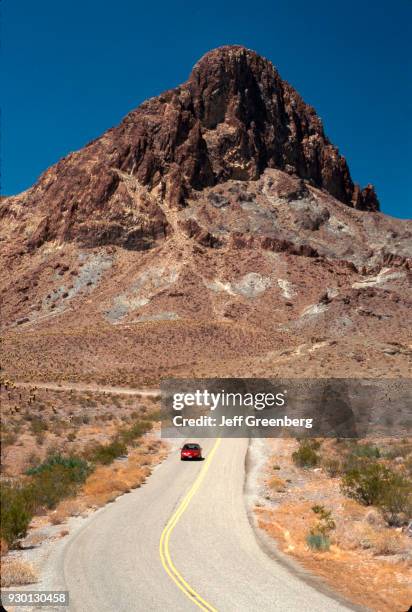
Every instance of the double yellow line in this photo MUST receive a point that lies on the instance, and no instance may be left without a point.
(164, 551)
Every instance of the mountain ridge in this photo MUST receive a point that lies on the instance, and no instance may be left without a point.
(201, 237)
(232, 119)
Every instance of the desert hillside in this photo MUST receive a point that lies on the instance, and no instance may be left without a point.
(215, 231)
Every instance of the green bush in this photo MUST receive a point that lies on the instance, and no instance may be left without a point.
(306, 455)
(107, 453)
(396, 501)
(56, 478)
(318, 538)
(366, 450)
(51, 486)
(38, 426)
(77, 468)
(371, 483)
(366, 482)
(157, 415)
(325, 524)
(16, 511)
(137, 430)
(316, 541)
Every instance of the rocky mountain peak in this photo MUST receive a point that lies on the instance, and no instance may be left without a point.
(215, 231)
(233, 119)
(261, 121)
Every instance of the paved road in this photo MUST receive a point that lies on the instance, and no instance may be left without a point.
(197, 512)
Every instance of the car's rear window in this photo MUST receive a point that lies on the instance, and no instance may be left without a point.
(191, 446)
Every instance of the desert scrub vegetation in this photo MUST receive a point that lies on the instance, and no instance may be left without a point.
(54, 479)
(16, 572)
(373, 484)
(399, 450)
(38, 428)
(307, 456)
(107, 453)
(137, 430)
(8, 436)
(16, 511)
(318, 537)
(371, 475)
(76, 468)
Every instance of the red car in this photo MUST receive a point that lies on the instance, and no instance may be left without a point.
(190, 451)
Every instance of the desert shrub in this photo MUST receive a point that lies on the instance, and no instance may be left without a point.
(50, 486)
(316, 541)
(135, 431)
(306, 455)
(107, 453)
(366, 450)
(8, 438)
(318, 537)
(78, 420)
(366, 482)
(325, 523)
(56, 478)
(40, 438)
(33, 460)
(389, 542)
(58, 426)
(371, 483)
(156, 415)
(396, 500)
(77, 468)
(17, 427)
(331, 466)
(399, 450)
(38, 426)
(107, 417)
(16, 511)
(408, 466)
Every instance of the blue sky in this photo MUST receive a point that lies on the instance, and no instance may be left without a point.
(74, 69)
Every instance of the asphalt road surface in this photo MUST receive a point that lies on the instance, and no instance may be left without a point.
(181, 542)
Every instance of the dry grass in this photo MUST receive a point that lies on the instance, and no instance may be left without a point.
(15, 572)
(4, 549)
(65, 509)
(378, 540)
(106, 483)
(277, 484)
(389, 542)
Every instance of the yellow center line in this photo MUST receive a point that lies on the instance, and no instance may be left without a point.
(164, 551)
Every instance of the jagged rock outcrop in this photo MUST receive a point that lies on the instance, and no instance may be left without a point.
(233, 118)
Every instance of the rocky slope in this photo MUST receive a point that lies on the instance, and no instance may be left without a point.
(216, 229)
